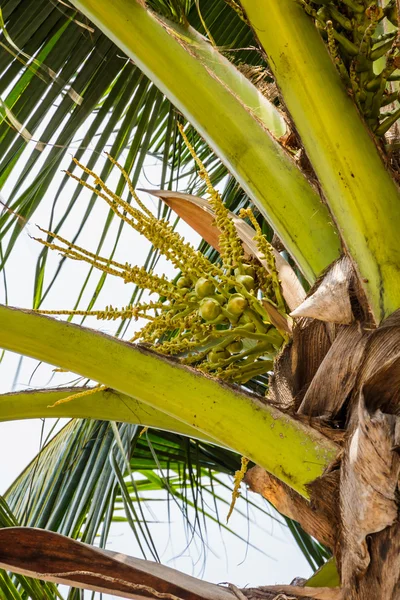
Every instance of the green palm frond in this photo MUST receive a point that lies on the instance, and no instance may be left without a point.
(75, 473)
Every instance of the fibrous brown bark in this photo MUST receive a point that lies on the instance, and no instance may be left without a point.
(340, 371)
(291, 592)
(368, 504)
(311, 516)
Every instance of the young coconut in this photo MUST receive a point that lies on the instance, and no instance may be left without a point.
(183, 282)
(237, 304)
(204, 287)
(247, 281)
(235, 347)
(209, 309)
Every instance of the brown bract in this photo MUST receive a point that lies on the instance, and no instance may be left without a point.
(53, 557)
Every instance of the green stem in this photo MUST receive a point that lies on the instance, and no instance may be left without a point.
(101, 404)
(355, 6)
(388, 122)
(381, 50)
(362, 195)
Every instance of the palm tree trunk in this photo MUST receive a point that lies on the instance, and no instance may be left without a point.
(342, 375)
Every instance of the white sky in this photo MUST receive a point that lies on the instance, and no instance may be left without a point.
(228, 558)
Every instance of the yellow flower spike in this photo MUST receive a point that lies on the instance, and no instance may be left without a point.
(159, 326)
(160, 233)
(174, 347)
(136, 275)
(231, 247)
(267, 252)
(113, 202)
(80, 250)
(92, 390)
(130, 186)
(238, 478)
(108, 314)
(175, 323)
(75, 255)
(122, 203)
(180, 253)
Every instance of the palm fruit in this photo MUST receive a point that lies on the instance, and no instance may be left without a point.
(246, 270)
(235, 347)
(217, 354)
(236, 304)
(247, 281)
(209, 309)
(204, 287)
(183, 282)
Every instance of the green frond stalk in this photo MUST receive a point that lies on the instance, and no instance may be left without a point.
(233, 117)
(292, 451)
(98, 404)
(362, 195)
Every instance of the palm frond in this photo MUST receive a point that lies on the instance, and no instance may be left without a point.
(79, 482)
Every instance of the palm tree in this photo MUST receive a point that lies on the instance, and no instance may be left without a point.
(293, 106)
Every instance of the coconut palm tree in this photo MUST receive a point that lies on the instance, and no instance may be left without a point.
(293, 105)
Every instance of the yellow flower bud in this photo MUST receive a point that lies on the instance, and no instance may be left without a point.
(183, 291)
(249, 326)
(246, 269)
(216, 355)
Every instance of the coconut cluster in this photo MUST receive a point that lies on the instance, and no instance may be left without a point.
(229, 334)
(213, 314)
(363, 40)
